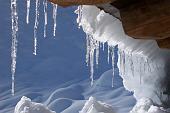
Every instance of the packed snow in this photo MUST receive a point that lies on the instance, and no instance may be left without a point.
(145, 105)
(26, 106)
(94, 106)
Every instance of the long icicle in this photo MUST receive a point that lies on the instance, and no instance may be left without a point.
(14, 17)
(54, 18)
(113, 64)
(36, 25)
(28, 11)
(45, 17)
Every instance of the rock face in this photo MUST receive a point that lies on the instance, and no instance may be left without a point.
(80, 2)
(141, 19)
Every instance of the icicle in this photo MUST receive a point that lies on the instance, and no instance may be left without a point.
(91, 60)
(124, 65)
(93, 46)
(87, 49)
(97, 52)
(14, 16)
(45, 17)
(35, 46)
(108, 54)
(113, 64)
(28, 11)
(120, 61)
(55, 18)
(36, 26)
(131, 64)
(103, 46)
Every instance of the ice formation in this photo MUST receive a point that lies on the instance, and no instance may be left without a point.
(14, 16)
(36, 25)
(92, 46)
(45, 17)
(145, 105)
(142, 64)
(94, 106)
(54, 18)
(25, 105)
(28, 11)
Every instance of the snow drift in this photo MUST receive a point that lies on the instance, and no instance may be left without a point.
(143, 65)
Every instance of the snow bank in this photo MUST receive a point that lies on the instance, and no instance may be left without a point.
(94, 106)
(26, 106)
(145, 105)
(142, 64)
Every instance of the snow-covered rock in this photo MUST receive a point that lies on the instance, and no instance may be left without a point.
(94, 106)
(145, 105)
(26, 106)
(142, 64)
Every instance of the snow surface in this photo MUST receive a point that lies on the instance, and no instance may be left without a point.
(143, 65)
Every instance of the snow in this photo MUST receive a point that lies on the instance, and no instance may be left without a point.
(142, 63)
(25, 105)
(94, 106)
(145, 105)
(14, 17)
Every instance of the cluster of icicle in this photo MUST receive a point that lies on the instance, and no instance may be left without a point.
(93, 48)
(127, 64)
(14, 17)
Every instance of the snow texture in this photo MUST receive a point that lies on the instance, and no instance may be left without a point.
(145, 105)
(26, 106)
(94, 106)
(143, 65)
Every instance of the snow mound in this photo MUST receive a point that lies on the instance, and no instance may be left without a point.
(145, 105)
(26, 106)
(94, 106)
